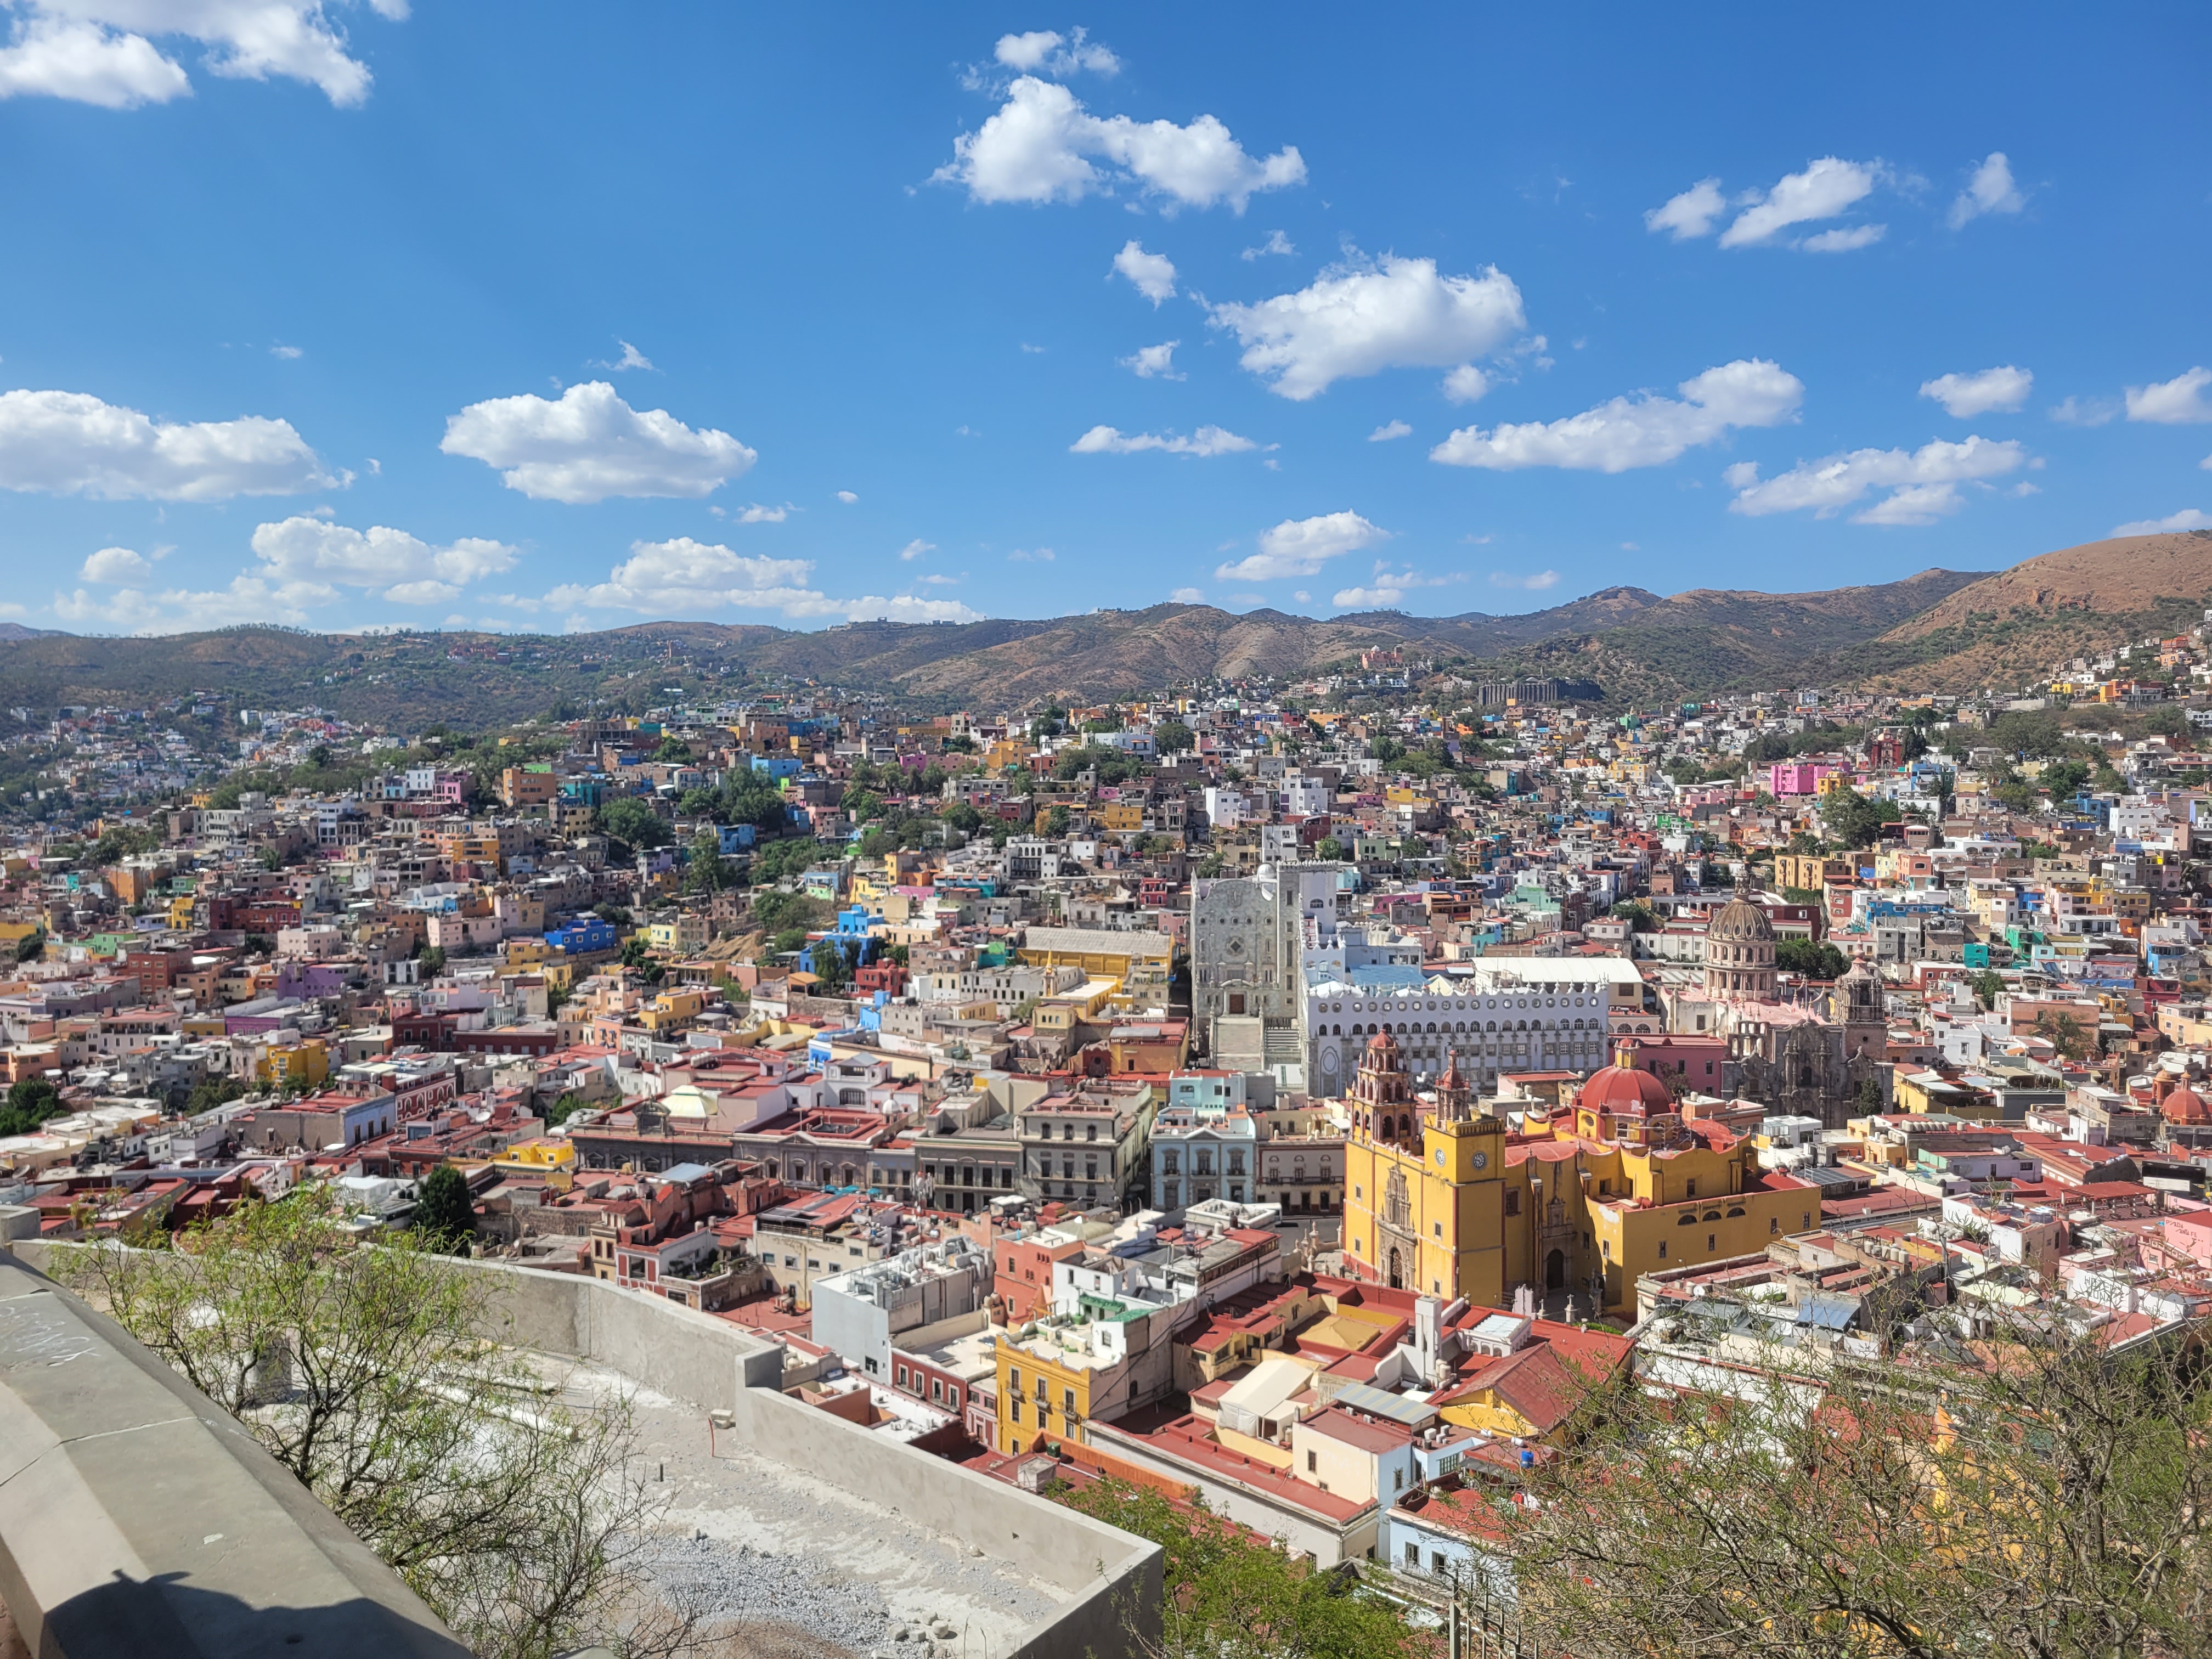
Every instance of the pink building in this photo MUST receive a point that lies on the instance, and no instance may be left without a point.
(1797, 777)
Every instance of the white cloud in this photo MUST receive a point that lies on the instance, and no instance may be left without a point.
(1153, 275)
(117, 566)
(1047, 50)
(97, 52)
(847, 496)
(1036, 555)
(684, 577)
(916, 547)
(1691, 213)
(1923, 482)
(1359, 319)
(1533, 582)
(1368, 599)
(1206, 441)
(1965, 396)
(1840, 240)
(1299, 547)
(1386, 589)
(87, 65)
(2177, 402)
(2095, 411)
(1189, 596)
(907, 607)
(1040, 145)
(631, 358)
(591, 445)
(70, 443)
(1990, 190)
(1466, 385)
(250, 597)
(1824, 189)
(1640, 431)
(758, 515)
(1153, 362)
(938, 579)
(1276, 243)
(290, 353)
(2189, 518)
(1385, 434)
(306, 550)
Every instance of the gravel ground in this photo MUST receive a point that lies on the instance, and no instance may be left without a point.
(808, 1569)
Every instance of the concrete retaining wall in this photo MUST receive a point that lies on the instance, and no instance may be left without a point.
(137, 1517)
(1113, 1578)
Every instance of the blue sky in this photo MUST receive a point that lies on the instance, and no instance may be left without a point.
(554, 316)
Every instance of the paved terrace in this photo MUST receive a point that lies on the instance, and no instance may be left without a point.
(146, 1521)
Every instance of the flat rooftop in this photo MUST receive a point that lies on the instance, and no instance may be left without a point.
(807, 1569)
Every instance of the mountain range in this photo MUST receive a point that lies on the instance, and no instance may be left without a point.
(1941, 631)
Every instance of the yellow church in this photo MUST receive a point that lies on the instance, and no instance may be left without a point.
(1583, 1201)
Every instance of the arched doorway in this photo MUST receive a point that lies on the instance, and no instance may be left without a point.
(1398, 1272)
(1555, 1271)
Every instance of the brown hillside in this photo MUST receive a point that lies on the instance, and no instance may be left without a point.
(2126, 576)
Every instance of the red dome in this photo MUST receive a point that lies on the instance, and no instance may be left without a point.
(1625, 1091)
(2185, 1105)
(1382, 1040)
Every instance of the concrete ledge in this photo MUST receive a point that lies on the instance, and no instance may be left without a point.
(1114, 1577)
(137, 1518)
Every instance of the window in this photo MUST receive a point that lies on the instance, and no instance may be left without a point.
(1439, 1226)
(1436, 1560)
(901, 1376)
(1067, 1401)
(1313, 1461)
(1014, 1383)
(1662, 1249)
(1773, 1224)
(1014, 1407)
(1711, 1242)
(1692, 1190)
(936, 1387)
(1397, 1481)
(1413, 1554)
(1512, 1201)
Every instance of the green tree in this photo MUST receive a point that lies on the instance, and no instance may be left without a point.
(1637, 914)
(1172, 738)
(32, 945)
(211, 1092)
(963, 817)
(525, 1538)
(2063, 1034)
(31, 1101)
(1229, 1594)
(629, 820)
(705, 869)
(672, 752)
(1329, 850)
(2168, 719)
(2041, 1492)
(2064, 778)
(443, 1213)
(433, 963)
(1852, 820)
(1987, 987)
(1813, 958)
(1055, 821)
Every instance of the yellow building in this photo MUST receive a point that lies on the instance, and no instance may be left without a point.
(1122, 817)
(305, 1063)
(1585, 1200)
